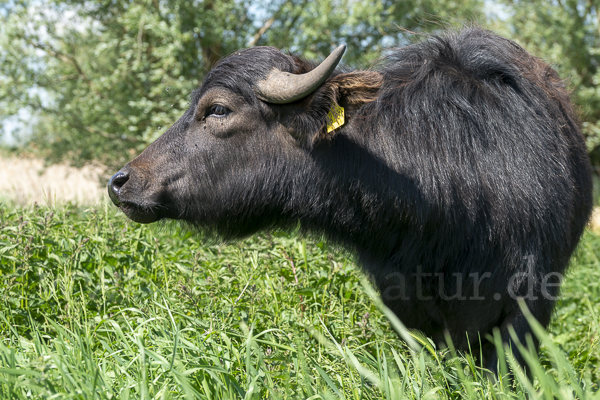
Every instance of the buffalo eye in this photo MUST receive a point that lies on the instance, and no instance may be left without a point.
(218, 111)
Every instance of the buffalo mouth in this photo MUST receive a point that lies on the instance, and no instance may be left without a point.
(143, 212)
(138, 213)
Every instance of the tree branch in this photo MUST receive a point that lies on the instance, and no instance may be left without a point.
(61, 56)
(261, 31)
(266, 25)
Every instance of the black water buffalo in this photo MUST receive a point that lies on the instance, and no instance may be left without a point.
(458, 175)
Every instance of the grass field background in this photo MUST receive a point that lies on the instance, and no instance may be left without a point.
(97, 307)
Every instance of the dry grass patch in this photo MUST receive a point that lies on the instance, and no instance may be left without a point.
(27, 180)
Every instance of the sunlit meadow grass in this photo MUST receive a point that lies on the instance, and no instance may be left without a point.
(96, 307)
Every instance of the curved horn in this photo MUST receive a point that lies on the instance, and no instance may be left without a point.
(282, 87)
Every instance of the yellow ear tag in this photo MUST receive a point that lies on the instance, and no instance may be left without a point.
(335, 118)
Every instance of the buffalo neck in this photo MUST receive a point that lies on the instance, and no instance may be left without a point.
(348, 193)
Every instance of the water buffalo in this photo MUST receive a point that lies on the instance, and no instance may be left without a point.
(458, 173)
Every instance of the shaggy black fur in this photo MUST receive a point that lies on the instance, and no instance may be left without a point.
(460, 179)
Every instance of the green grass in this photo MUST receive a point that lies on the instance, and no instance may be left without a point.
(96, 307)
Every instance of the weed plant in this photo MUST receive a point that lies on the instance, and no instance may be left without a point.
(93, 306)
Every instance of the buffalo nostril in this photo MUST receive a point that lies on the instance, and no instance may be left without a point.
(114, 186)
(118, 180)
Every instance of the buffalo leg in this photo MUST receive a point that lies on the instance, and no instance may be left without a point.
(541, 311)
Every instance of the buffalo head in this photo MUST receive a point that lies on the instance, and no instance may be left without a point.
(230, 161)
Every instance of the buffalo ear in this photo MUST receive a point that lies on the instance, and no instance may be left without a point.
(349, 90)
(353, 89)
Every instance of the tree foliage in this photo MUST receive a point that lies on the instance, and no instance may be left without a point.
(101, 79)
(104, 79)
